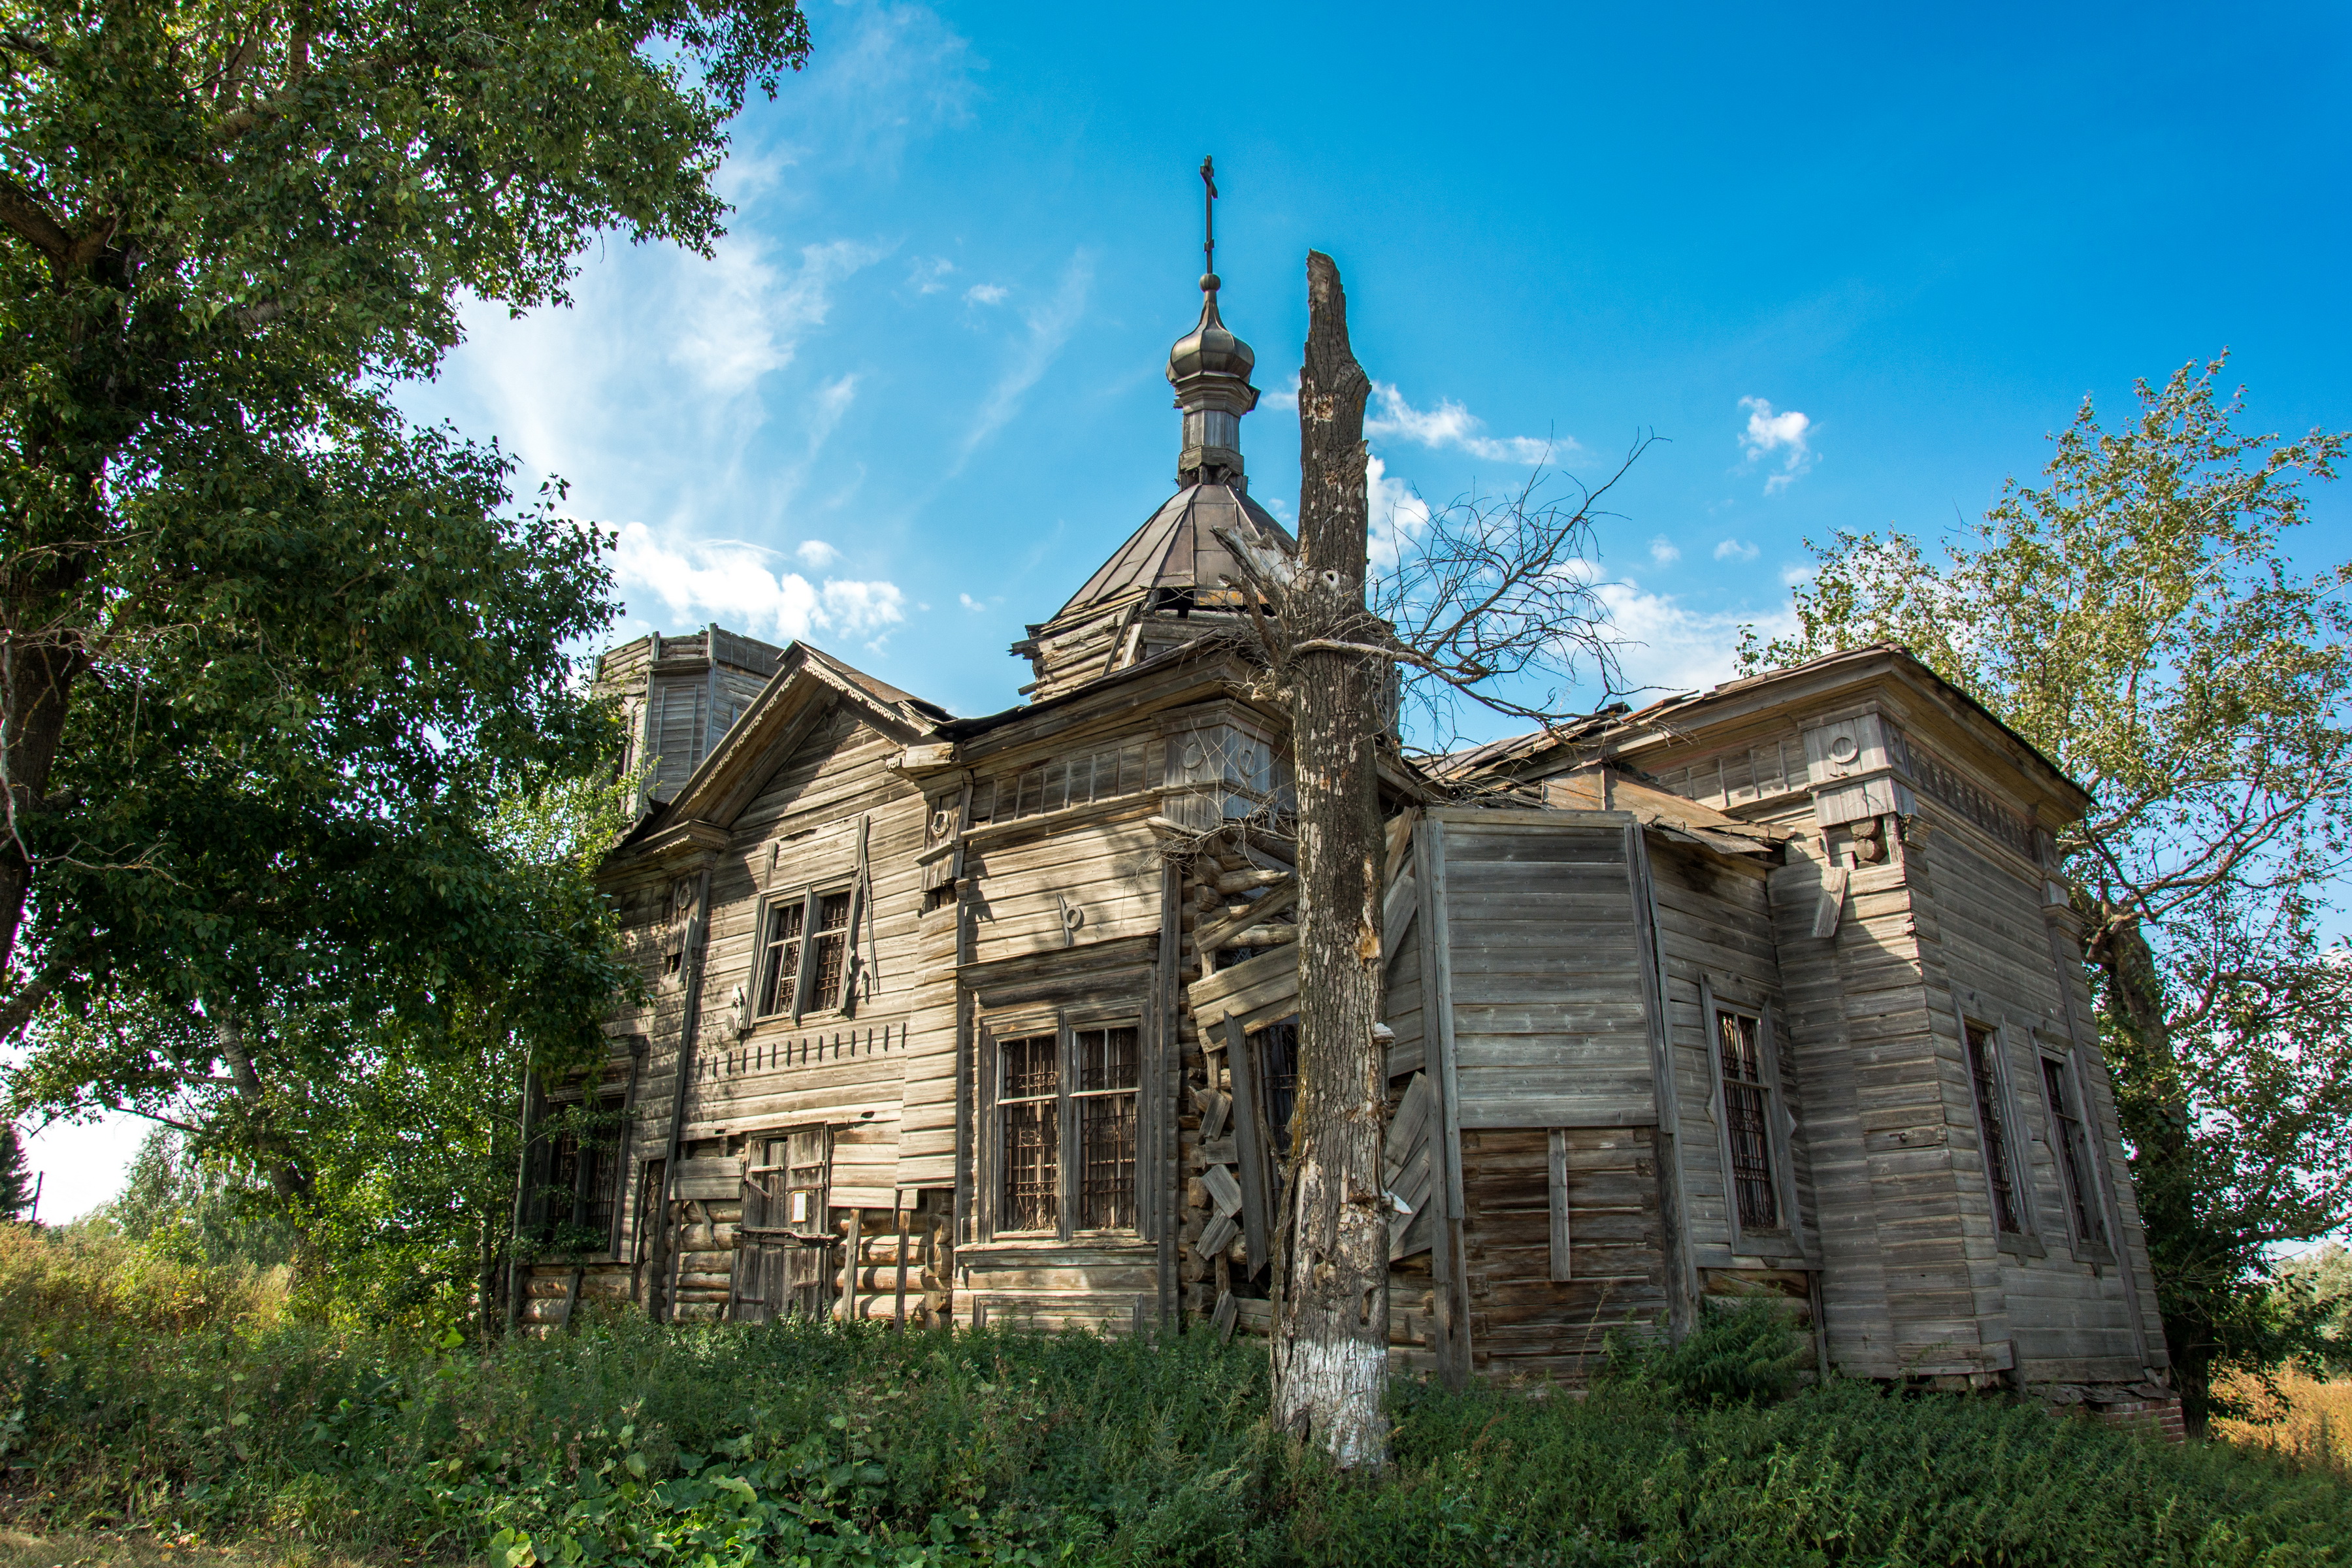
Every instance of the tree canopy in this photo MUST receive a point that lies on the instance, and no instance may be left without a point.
(2138, 618)
(268, 653)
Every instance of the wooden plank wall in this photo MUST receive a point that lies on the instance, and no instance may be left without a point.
(649, 938)
(1715, 929)
(2070, 1318)
(1522, 1321)
(1029, 876)
(1024, 881)
(1547, 992)
(804, 826)
(1889, 1125)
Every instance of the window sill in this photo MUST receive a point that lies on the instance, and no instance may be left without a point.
(2094, 1254)
(1046, 1241)
(786, 1021)
(1772, 1249)
(2019, 1244)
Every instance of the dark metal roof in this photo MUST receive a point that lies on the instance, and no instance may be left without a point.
(874, 686)
(1179, 547)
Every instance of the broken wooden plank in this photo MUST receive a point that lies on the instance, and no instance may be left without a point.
(1223, 1188)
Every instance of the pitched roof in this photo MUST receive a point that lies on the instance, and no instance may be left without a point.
(1616, 721)
(1179, 548)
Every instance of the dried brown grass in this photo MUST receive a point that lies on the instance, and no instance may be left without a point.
(79, 1276)
(2305, 1420)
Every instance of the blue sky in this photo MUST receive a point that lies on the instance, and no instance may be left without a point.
(1853, 263)
(1853, 268)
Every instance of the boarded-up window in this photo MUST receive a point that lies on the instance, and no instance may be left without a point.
(1748, 1118)
(783, 1262)
(1109, 1063)
(832, 943)
(781, 959)
(1992, 1136)
(1027, 1103)
(2074, 1154)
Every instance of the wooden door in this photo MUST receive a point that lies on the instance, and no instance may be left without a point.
(784, 1254)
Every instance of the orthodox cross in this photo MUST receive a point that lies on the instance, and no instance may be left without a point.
(1208, 221)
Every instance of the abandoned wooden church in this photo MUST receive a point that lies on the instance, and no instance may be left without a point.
(988, 1019)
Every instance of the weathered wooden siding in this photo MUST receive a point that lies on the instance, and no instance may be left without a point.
(1544, 984)
(1716, 939)
(1883, 1105)
(804, 826)
(1030, 878)
(1522, 1321)
(2069, 1310)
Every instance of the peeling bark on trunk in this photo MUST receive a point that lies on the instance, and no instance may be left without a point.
(1330, 1331)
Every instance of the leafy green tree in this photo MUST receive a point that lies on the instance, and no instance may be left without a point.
(2138, 618)
(381, 1125)
(416, 1145)
(194, 1210)
(268, 653)
(16, 1174)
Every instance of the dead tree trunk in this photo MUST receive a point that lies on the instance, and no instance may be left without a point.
(1330, 1335)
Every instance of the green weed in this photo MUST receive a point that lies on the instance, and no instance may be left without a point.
(628, 1444)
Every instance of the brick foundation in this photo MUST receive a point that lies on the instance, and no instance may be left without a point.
(2144, 1406)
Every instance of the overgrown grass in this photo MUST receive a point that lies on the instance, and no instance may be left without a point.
(2297, 1416)
(626, 1444)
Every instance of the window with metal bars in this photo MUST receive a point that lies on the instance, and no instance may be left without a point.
(831, 943)
(1748, 1118)
(1108, 1062)
(2074, 1154)
(780, 959)
(1992, 1136)
(1028, 1107)
(803, 950)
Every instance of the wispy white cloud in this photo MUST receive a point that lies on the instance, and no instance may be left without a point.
(986, 294)
(929, 274)
(1672, 647)
(732, 581)
(748, 318)
(1664, 550)
(816, 554)
(1787, 433)
(890, 76)
(1734, 550)
(1047, 329)
(969, 603)
(1395, 518)
(1451, 425)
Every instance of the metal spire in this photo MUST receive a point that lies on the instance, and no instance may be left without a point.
(1209, 226)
